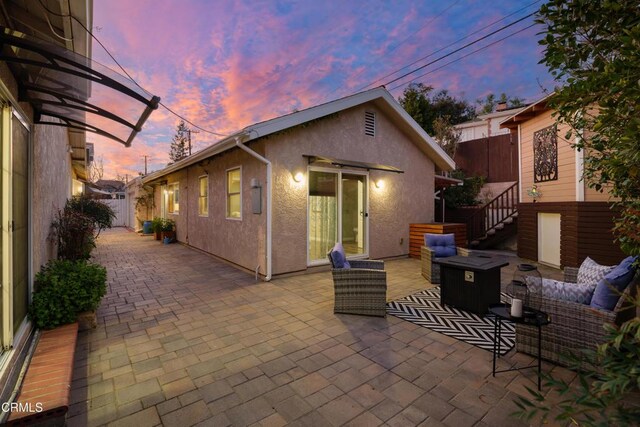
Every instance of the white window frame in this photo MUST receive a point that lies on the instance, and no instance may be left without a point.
(171, 206)
(9, 109)
(206, 197)
(227, 194)
(339, 172)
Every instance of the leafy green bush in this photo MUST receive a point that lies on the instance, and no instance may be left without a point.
(74, 234)
(101, 214)
(466, 194)
(156, 224)
(65, 288)
(168, 225)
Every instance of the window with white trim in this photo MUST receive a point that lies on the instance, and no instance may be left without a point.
(203, 196)
(173, 197)
(234, 194)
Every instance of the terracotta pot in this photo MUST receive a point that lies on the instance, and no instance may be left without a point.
(170, 234)
(158, 235)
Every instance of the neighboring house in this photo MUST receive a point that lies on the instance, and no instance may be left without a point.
(274, 197)
(115, 188)
(45, 82)
(566, 220)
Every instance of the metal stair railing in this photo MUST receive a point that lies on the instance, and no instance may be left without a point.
(491, 215)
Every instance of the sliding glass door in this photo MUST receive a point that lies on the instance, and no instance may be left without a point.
(337, 212)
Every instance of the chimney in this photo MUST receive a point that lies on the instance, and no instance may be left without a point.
(501, 106)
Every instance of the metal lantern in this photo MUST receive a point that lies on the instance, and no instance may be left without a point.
(526, 285)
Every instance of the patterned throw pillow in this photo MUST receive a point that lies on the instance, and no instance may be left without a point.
(564, 291)
(590, 272)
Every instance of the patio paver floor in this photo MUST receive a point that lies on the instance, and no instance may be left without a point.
(184, 339)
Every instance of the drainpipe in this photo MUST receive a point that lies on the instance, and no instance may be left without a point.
(252, 153)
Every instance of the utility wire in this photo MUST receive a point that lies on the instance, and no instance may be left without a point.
(440, 58)
(126, 73)
(449, 45)
(464, 56)
(442, 12)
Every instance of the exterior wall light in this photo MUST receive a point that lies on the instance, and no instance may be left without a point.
(299, 177)
(379, 184)
(534, 193)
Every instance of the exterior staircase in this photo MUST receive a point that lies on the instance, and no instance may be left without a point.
(496, 221)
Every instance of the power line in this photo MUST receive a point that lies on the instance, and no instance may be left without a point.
(125, 71)
(445, 10)
(464, 56)
(440, 58)
(449, 45)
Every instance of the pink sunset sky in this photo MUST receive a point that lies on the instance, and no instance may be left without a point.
(224, 65)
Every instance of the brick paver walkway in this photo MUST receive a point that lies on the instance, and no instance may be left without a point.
(184, 339)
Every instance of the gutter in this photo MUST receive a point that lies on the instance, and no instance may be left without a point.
(257, 156)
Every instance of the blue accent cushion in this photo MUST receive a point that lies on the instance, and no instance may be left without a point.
(338, 257)
(604, 296)
(443, 245)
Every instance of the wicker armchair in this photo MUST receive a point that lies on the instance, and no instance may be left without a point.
(573, 326)
(361, 289)
(431, 270)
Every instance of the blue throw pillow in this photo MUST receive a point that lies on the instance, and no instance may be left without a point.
(604, 296)
(338, 257)
(443, 245)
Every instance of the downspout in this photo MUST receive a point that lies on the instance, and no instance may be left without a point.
(257, 156)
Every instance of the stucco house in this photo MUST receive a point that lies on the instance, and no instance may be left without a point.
(47, 106)
(560, 219)
(274, 197)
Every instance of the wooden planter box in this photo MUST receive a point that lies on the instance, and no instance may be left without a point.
(417, 232)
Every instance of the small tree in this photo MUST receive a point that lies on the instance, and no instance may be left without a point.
(593, 49)
(100, 213)
(179, 143)
(425, 106)
(96, 170)
(447, 136)
(489, 103)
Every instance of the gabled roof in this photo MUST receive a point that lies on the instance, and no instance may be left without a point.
(482, 118)
(527, 113)
(379, 96)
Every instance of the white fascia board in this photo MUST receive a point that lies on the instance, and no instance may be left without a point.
(280, 123)
(442, 159)
(217, 148)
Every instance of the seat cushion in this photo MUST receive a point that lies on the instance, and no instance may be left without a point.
(615, 282)
(590, 272)
(443, 245)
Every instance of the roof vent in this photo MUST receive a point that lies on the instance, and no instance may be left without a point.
(369, 123)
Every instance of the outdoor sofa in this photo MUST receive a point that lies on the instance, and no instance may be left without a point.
(574, 325)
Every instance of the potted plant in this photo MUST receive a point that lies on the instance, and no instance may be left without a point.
(156, 225)
(168, 230)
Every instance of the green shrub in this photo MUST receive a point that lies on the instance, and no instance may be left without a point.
(168, 225)
(100, 213)
(65, 288)
(156, 224)
(466, 194)
(74, 234)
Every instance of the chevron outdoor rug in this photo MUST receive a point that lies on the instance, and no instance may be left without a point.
(424, 309)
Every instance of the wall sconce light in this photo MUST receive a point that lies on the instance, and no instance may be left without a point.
(298, 177)
(534, 193)
(69, 149)
(379, 184)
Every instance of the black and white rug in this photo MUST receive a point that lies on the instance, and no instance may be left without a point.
(424, 309)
